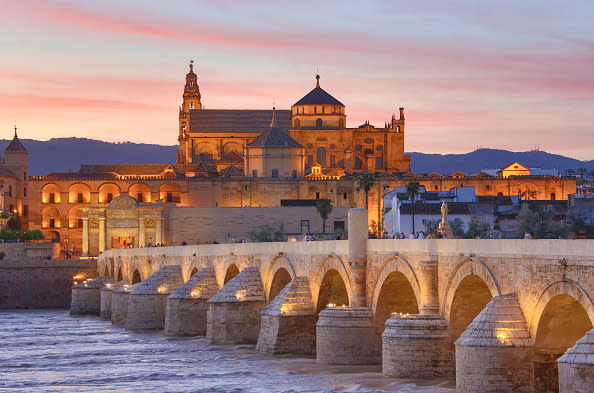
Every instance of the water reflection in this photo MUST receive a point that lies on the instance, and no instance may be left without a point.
(48, 351)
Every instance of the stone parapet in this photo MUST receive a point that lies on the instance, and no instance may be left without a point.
(576, 366)
(288, 322)
(417, 346)
(148, 299)
(86, 296)
(234, 312)
(495, 352)
(106, 298)
(188, 305)
(346, 335)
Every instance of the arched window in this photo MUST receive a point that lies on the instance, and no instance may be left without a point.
(358, 163)
(297, 123)
(319, 123)
(321, 156)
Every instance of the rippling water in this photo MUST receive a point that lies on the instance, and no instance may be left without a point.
(49, 351)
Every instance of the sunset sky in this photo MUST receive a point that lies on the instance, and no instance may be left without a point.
(500, 74)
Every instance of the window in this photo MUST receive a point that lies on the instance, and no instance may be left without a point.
(294, 175)
(553, 196)
(397, 128)
(304, 226)
(317, 195)
(344, 195)
(109, 197)
(52, 197)
(169, 197)
(79, 197)
(319, 123)
(25, 175)
(10, 191)
(379, 162)
(245, 187)
(191, 84)
(338, 226)
(488, 187)
(332, 161)
(79, 223)
(358, 148)
(436, 187)
(24, 191)
(358, 163)
(25, 210)
(297, 123)
(140, 197)
(191, 105)
(52, 223)
(254, 173)
(274, 173)
(321, 156)
(499, 194)
(309, 160)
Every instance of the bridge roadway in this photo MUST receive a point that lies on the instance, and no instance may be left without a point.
(535, 299)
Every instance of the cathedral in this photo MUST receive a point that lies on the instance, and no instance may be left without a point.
(239, 158)
(286, 143)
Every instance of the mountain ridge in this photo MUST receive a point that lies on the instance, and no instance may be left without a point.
(64, 154)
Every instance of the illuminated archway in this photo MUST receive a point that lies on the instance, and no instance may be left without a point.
(232, 271)
(106, 272)
(280, 280)
(50, 193)
(332, 291)
(120, 275)
(562, 322)
(470, 297)
(194, 271)
(108, 192)
(136, 277)
(50, 218)
(141, 192)
(170, 193)
(79, 193)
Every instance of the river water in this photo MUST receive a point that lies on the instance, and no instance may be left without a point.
(49, 351)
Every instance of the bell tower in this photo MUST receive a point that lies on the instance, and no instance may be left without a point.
(191, 101)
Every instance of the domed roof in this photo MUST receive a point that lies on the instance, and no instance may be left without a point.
(15, 145)
(318, 96)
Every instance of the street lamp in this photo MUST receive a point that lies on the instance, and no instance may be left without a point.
(66, 246)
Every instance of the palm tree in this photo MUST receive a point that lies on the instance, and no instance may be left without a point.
(366, 181)
(324, 207)
(412, 189)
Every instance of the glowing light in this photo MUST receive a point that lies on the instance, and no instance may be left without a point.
(241, 294)
(502, 336)
(126, 287)
(330, 305)
(196, 292)
(108, 286)
(162, 289)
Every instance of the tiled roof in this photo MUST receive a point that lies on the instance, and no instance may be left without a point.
(274, 137)
(232, 157)
(231, 171)
(236, 120)
(125, 169)
(318, 96)
(15, 145)
(6, 172)
(78, 175)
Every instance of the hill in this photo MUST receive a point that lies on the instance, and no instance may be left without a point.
(473, 162)
(63, 154)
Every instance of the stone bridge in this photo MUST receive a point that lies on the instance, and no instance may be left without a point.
(496, 314)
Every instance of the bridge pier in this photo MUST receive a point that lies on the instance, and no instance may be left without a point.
(106, 298)
(495, 352)
(147, 301)
(119, 304)
(233, 315)
(576, 366)
(86, 296)
(346, 335)
(417, 345)
(288, 322)
(187, 306)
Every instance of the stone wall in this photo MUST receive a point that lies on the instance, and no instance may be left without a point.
(41, 284)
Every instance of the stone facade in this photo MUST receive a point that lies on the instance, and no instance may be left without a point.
(147, 301)
(86, 296)
(119, 304)
(234, 312)
(417, 346)
(106, 291)
(188, 305)
(288, 322)
(576, 366)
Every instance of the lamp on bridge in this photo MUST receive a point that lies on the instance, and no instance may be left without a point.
(66, 247)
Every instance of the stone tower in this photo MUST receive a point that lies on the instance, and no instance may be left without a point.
(191, 101)
(16, 159)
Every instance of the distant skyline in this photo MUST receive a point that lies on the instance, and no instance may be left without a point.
(492, 74)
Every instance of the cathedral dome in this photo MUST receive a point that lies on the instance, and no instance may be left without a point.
(318, 96)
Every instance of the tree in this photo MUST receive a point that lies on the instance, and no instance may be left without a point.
(366, 181)
(324, 208)
(412, 189)
(540, 222)
(477, 229)
(269, 233)
(570, 172)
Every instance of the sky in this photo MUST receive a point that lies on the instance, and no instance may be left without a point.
(516, 75)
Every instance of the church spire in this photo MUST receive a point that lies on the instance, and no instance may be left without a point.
(318, 80)
(273, 121)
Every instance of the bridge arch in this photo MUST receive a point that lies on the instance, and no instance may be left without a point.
(278, 275)
(230, 272)
(106, 271)
(469, 290)
(331, 284)
(396, 289)
(469, 267)
(136, 277)
(563, 314)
